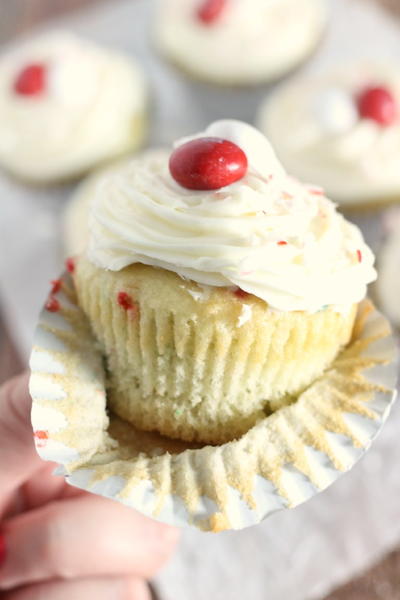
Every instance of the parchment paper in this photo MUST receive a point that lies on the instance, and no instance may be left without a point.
(299, 554)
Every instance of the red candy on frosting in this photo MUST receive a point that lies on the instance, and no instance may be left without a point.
(210, 10)
(208, 164)
(378, 104)
(31, 81)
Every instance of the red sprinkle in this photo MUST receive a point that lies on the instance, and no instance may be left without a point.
(40, 438)
(282, 243)
(31, 81)
(208, 164)
(52, 304)
(125, 301)
(239, 293)
(317, 191)
(55, 286)
(378, 104)
(70, 265)
(210, 10)
(359, 255)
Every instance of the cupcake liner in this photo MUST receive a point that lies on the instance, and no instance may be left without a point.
(281, 462)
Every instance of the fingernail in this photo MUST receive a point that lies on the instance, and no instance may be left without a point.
(3, 550)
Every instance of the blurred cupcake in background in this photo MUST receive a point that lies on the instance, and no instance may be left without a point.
(66, 105)
(239, 42)
(341, 130)
(387, 287)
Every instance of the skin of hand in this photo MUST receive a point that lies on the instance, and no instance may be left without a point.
(58, 542)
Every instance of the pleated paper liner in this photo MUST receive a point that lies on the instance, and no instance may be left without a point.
(283, 461)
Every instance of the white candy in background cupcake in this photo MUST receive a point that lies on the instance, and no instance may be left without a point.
(341, 131)
(66, 105)
(239, 42)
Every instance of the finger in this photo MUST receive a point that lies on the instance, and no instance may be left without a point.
(18, 457)
(128, 588)
(43, 487)
(82, 537)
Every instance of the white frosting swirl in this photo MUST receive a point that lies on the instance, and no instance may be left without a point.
(317, 132)
(85, 115)
(251, 41)
(231, 236)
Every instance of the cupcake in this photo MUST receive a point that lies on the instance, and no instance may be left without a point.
(67, 105)
(388, 284)
(341, 131)
(76, 215)
(217, 286)
(239, 42)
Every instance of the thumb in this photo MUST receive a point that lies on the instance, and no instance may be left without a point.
(18, 457)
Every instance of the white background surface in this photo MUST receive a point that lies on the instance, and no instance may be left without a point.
(295, 555)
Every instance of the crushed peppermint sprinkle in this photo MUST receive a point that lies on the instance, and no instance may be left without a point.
(359, 256)
(52, 304)
(124, 300)
(55, 286)
(239, 293)
(317, 191)
(282, 243)
(70, 265)
(287, 196)
(266, 179)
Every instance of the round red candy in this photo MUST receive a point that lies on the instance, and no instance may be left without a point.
(31, 81)
(210, 10)
(378, 104)
(208, 164)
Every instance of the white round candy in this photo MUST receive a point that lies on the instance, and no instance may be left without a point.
(335, 110)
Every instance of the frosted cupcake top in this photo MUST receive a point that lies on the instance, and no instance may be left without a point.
(264, 232)
(341, 130)
(65, 103)
(239, 41)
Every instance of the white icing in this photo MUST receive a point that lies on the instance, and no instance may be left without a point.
(335, 110)
(251, 41)
(85, 115)
(318, 138)
(231, 236)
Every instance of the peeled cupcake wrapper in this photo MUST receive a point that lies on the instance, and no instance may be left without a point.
(284, 460)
